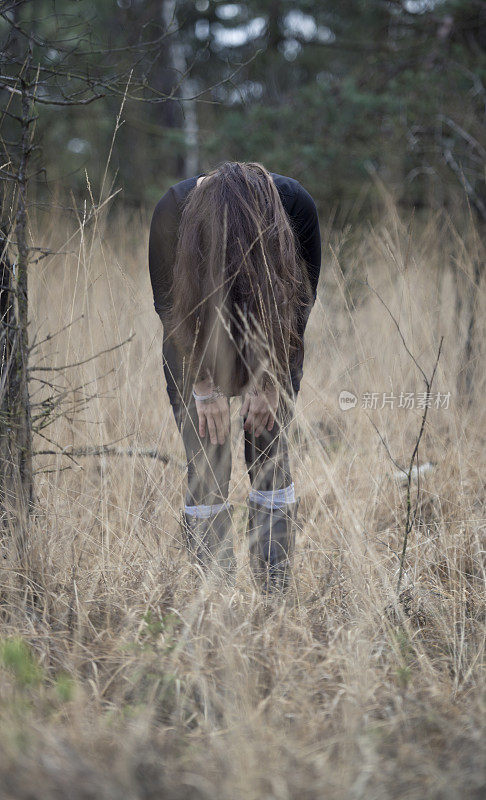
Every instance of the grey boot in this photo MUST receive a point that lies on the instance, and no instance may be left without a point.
(271, 534)
(210, 539)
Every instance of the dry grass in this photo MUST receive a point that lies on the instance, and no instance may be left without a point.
(140, 680)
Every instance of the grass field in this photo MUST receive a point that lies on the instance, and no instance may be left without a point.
(126, 675)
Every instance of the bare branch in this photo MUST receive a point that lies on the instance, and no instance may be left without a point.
(50, 336)
(105, 450)
(51, 101)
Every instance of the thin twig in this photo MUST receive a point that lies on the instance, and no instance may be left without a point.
(409, 521)
(85, 361)
(410, 518)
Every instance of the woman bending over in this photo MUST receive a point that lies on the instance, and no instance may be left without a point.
(234, 258)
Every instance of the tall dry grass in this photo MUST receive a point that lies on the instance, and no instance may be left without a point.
(125, 675)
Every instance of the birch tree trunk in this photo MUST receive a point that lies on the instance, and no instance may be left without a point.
(187, 90)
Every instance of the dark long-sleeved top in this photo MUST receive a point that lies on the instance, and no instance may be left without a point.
(298, 204)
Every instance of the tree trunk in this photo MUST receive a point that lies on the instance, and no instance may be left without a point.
(187, 90)
(7, 347)
(16, 428)
(471, 348)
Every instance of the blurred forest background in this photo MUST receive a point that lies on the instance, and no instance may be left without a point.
(330, 93)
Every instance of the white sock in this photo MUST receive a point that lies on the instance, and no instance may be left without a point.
(205, 511)
(275, 498)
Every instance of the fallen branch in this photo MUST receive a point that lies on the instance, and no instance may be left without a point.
(75, 452)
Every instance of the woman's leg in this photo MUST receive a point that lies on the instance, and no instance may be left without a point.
(267, 456)
(272, 505)
(206, 518)
(208, 465)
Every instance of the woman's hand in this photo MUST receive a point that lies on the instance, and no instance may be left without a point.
(214, 415)
(259, 406)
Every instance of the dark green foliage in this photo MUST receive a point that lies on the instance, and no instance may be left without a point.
(329, 94)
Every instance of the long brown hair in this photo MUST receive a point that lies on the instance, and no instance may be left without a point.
(239, 282)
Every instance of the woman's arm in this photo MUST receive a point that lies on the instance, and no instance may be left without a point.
(163, 239)
(162, 250)
(306, 226)
(213, 416)
(308, 234)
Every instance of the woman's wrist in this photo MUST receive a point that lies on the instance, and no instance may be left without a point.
(209, 398)
(265, 384)
(205, 386)
(204, 383)
(268, 381)
(206, 391)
